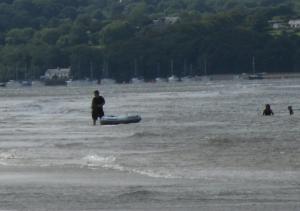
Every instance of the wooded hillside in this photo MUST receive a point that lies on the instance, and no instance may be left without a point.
(115, 37)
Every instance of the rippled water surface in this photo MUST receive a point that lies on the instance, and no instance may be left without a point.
(199, 146)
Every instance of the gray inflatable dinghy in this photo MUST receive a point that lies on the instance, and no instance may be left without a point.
(124, 119)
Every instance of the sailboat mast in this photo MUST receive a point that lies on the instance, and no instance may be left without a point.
(105, 69)
(91, 71)
(205, 66)
(184, 67)
(158, 69)
(172, 67)
(191, 69)
(253, 65)
(16, 72)
(135, 68)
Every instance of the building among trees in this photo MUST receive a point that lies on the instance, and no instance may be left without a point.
(295, 23)
(58, 73)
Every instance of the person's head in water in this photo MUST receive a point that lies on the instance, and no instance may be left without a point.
(268, 111)
(96, 93)
(290, 108)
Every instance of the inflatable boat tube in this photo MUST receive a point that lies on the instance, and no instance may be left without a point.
(125, 119)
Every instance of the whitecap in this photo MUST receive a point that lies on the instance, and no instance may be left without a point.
(95, 160)
(154, 174)
(7, 156)
(109, 162)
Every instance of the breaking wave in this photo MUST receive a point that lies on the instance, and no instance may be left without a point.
(99, 161)
(7, 156)
(109, 162)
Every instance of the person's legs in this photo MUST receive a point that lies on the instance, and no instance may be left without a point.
(101, 114)
(95, 117)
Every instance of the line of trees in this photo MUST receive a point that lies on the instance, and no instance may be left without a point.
(116, 38)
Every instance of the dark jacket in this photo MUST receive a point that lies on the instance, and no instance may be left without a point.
(97, 106)
(268, 112)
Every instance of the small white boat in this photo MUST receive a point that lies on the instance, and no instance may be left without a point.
(26, 83)
(124, 119)
(13, 84)
(256, 77)
(136, 80)
(37, 83)
(173, 78)
(107, 81)
(190, 78)
(205, 78)
(85, 82)
(161, 80)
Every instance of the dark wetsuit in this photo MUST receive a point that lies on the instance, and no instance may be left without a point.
(291, 110)
(97, 107)
(268, 112)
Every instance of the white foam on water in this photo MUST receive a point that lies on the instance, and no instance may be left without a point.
(155, 174)
(109, 162)
(100, 161)
(7, 156)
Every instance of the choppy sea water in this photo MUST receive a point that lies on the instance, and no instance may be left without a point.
(200, 146)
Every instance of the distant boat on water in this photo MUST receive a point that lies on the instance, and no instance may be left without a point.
(173, 78)
(2, 84)
(254, 75)
(85, 82)
(188, 74)
(136, 80)
(205, 78)
(107, 81)
(160, 80)
(55, 82)
(190, 78)
(37, 83)
(17, 84)
(26, 83)
(13, 84)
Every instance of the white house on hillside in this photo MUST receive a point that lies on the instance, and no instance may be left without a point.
(294, 23)
(277, 24)
(166, 20)
(58, 73)
(172, 20)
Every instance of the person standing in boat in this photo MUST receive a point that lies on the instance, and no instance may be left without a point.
(268, 111)
(97, 106)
